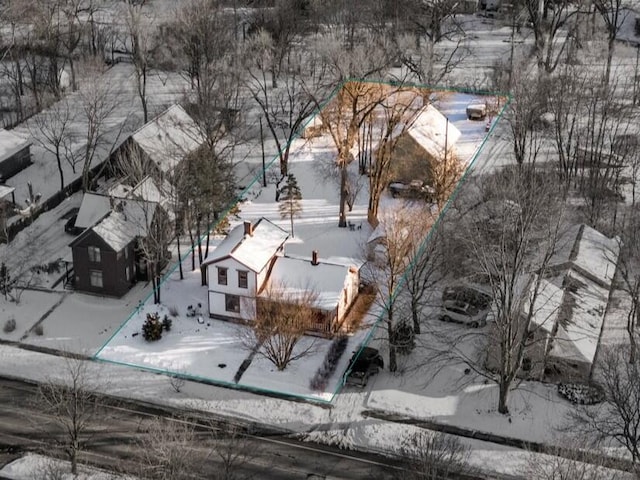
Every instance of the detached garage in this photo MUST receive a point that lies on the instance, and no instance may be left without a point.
(14, 154)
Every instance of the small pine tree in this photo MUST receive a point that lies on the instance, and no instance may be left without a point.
(166, 323)
(152, 328)
(290, 196)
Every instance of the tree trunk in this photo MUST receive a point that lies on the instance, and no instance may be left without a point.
(179, 258)
(415, 316)
(504, 396)
(342, 221)
(60, 171)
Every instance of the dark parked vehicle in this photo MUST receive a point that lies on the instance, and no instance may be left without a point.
(416, 189)
(364, 362)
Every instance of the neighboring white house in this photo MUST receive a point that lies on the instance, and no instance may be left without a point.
(239, 266)
(569, 308)
(250, 264)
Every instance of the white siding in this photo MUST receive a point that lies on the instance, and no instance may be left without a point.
(217, 292)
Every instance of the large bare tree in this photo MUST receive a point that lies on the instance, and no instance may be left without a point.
(283, 315)
(72, 404)
(508, 229)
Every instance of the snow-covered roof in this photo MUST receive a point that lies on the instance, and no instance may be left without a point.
(126, 223)
(169, 137)
(433, 131)
(254, 251)
(6, 190)
(11, 143)
(578, 333)
(547, 304)
(93, 208)
(295, 277)
(588, 251)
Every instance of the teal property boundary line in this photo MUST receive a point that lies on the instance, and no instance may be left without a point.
(214, 224)
(392, 297)
(423, 245)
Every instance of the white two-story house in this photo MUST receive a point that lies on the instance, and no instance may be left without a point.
(251, 260)
(239, 266)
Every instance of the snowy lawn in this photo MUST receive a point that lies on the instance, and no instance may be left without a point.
(33, 466)
(33, 305)
(213, 350)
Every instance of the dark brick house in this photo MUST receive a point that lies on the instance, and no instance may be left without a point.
(106, 259)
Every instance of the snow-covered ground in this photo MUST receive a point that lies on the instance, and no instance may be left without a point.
(33, 466)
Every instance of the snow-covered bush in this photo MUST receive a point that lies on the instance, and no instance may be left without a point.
(166, 323)
(9, 325)
(321, 377)
(581, 394)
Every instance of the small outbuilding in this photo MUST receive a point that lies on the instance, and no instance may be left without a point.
(15, 154)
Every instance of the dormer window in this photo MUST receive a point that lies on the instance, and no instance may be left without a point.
(222, 276)
(94, 254)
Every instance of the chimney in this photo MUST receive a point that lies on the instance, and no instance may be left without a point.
(248, 229)
(314, 258)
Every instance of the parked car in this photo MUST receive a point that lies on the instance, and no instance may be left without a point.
(468, 294)
(463, 312)
(364, 362)
(414, 189)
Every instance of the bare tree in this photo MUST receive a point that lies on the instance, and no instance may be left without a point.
(524, 114)
(511, 231)
(282, 317)
(53, 130)
(343, 117)
(286, 108)
(98, 102)
(72, 405)
(629, 271)
(434, 455)
(547, 19)
(616, 421)
(427, 265)
(167, 450)
(613, 13)
(142, 43)
(575, 463)
(399, 229)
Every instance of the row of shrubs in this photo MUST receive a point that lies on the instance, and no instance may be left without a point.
(321, 377)
(153, 327)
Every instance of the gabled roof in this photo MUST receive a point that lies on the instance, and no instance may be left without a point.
(589, 252)
(547, 304)
(131, 220)
(296, 277)
(93, 207)
(11, 143)
(578, 334)
(433, 131)
(169, 137)
(253, 251)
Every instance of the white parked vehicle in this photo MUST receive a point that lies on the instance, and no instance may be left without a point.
(463, 312)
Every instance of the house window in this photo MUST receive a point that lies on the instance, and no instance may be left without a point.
(222, 276)
(127, 273)
(94, 254)
(126, 252)
(243, 279)
(232, 303)
(95, 278)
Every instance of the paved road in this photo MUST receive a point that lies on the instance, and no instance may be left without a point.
(114, 443)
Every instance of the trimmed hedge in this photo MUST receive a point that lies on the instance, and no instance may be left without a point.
(335, 352)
